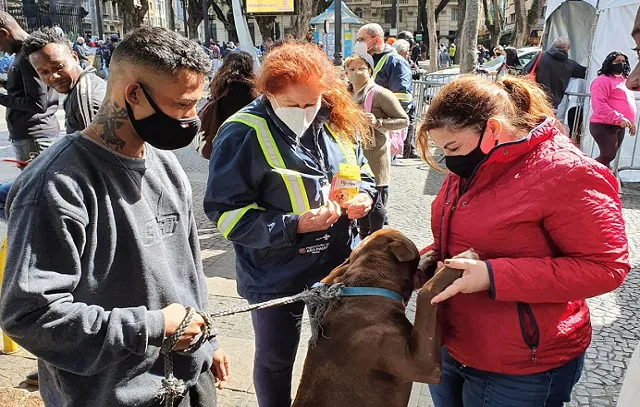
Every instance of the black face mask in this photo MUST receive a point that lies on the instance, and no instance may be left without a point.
(162, 131)
(464, 165)
(618, 68)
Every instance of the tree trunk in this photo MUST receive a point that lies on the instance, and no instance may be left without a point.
(433, 35)
(462, 14)
(194, 17)
(498, 23)
(469, 38)
(300, 21)
(172, 16)
(424, 21)
(493, 21)
(132, 15)
(266, 25)
(535, 12)
(229, 24)
(521, 31)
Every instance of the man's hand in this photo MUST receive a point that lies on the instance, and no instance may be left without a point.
(173, 316)
(359, 206)
(220, 369)
(316, 220)
(475, 277)
(631, 126)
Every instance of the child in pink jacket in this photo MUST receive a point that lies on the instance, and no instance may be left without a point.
(613, 106)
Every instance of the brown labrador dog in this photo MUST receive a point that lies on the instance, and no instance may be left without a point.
(368, 353)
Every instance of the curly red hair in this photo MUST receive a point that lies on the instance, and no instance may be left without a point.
(295, 62)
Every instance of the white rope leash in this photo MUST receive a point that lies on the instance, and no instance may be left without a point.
(318, 300)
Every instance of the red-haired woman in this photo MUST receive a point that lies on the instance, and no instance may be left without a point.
(269, 176)
(547, 223)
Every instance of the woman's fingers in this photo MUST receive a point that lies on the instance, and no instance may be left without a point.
(450, 291)
(460, 264)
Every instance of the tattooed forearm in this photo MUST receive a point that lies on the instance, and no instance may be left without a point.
(111, 117)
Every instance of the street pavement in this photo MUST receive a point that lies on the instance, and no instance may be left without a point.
(615, 316)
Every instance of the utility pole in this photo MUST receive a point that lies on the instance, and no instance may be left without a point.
(337, 22)
(184, 17)
(205, 21)
(100, 27)
(394, 18)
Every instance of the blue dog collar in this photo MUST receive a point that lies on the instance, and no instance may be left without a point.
(366, 292)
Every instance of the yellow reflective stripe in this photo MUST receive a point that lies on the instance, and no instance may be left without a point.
(380, 65)
(230, 219)
(292, 179)
(367, 169)
(347, 150)
(404, 97)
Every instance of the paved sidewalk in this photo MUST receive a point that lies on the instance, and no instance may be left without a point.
(615, 316)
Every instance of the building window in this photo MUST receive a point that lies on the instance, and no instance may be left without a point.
(387, 16)
(358, 12)
(454, 14)
(512, 17)
(401, 15)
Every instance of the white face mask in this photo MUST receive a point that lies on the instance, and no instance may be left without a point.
(361, 48)
(297, 119)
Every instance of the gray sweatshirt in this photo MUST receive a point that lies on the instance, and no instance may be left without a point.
(98, 244)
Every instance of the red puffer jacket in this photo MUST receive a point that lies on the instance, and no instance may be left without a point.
(549, 221)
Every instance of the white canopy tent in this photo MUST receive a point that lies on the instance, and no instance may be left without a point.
(595, 28)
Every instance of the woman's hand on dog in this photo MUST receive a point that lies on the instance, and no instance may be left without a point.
(359, 206)
(475, 278)
(316, 220)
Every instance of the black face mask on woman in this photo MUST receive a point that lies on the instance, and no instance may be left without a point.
(162, 131)
(618, 68)
(465, 165)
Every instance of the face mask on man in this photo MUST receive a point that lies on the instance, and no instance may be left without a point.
(163, 131)
(361, 48)
(297, 119)
(465, 165)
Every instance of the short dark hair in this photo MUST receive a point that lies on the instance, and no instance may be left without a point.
(7, 20)
(161, 51)
(41, 38)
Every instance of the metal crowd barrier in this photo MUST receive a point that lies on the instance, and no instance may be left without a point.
(575, 119)
(425, 90)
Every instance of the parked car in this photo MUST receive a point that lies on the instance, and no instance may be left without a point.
(489, 68)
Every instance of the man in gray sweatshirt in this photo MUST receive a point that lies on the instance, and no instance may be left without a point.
(103, 246)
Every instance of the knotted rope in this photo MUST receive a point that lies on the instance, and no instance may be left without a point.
(318, 300)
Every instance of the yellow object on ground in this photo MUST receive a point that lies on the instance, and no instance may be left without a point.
(9, 345)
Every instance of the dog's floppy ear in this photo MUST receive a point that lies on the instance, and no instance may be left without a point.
(336, 274)
(402, 251)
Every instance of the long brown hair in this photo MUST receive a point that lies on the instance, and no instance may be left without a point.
(470, 101)
(294, 62)
(236, 67)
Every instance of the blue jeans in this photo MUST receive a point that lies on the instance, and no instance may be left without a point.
(464, 386)
(277, 334)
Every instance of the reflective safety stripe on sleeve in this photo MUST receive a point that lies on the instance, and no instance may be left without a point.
(292, 179)
(230, 219)
(404, 97)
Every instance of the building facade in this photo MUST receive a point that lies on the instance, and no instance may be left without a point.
(379, 11)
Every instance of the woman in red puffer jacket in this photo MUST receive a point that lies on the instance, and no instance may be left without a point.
(547, 223)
